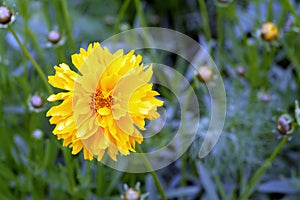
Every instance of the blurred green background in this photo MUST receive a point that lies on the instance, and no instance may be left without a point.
(33, 163)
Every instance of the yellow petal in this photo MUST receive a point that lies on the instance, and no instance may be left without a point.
(104, 111)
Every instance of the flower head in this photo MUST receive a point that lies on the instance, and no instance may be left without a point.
(269, 31)
(105, 104)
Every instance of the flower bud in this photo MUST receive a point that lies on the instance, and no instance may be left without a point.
(124, 26)
(132, 194)
(54, 37)
(109, 20)
(5, 15)
(269, 31)
(37, 134)
(263, 96)
(37, 101)
(205, 74)
(284, 124)
(240, 71)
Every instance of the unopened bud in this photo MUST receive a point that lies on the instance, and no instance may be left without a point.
(240, 71)
(205, 74)
(132, 194)
(36, 103)
(284, 124)
(5, 15)
(54, 37)
(263, 96)
(269, 31)
(37, 134)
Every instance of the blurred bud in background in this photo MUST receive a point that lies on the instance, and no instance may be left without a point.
(36, 103)
(205, 74)
(37, 134)
(6, 16)
(240, 71)
(54, 36)
(269, 32)
(264, 96)
(133, 193)
(285, 124)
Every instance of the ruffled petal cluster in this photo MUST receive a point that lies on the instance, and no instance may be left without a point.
(104, 105)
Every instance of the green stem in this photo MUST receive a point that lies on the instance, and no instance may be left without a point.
(100, 181)
(34, 63)
(140, 12)
(68, 24)
(121, 15)
(204, 15)
(70, 170)
(220, 187)
(37, 46)
(220, 32)
(261, 170)
(293, 11)
(154, 175)
(184, 157)
(46, 14)
(60, 54)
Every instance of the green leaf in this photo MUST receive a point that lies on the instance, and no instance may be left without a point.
(115, 180)
(182, 191)
(280, 186)
(207, 182)
(6, 172)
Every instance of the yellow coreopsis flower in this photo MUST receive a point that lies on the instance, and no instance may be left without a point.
(105, 104)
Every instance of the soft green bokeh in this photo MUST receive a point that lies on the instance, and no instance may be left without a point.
(40, 168)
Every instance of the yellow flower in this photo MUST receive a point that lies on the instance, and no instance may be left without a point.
(269, 31)
(105, 104)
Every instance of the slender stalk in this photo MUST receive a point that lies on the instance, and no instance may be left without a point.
(61, 56)
(261, 170)
(23, 5)
(220, 187)
(293, 11)
(204, 15)
(140, 12)
(100, 181)
(184, 156)
(37, 46)
(70, 170)
(46, 14)
(220, 32)
(270, 11)
(154, 175)
(68, 24)
(121, 15)
(34, 63)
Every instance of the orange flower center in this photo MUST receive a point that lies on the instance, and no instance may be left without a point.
(100, 101)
